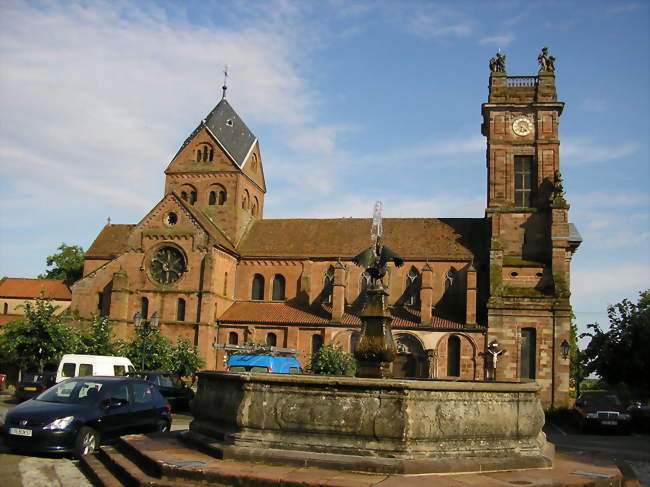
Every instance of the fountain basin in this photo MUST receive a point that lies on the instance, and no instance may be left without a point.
(379, 425)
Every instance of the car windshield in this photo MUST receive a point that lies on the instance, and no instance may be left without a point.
(73, 391)
(32, 377)
(168, 381)
(600, 401)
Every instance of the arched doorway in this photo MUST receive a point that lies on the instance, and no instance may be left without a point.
(411, 360)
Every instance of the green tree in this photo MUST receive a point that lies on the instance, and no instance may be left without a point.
(576, 360)
(620, 354)
(99, 339)
(185, 359)
(40, 338)
(330, 359)
(66, 264)
(157, 349)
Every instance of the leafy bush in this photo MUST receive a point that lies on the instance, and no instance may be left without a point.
(330, 359)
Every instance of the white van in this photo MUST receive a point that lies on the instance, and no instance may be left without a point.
(72, 365)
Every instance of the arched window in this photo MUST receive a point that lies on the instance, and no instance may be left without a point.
(222, 196)
(198, 155)
(412, 287)
(271, 340)
(254, 162)
(212, 199)
(354, 341)
(257, 292)
(365, 284)
(316, 343)
(180, 310)
(328, 285)
(449, 278)
(144, 308)
(192, 197)
(184, 195)
(5, 308)
(254, 209)
(205, 153)
(278, 287)
(246, 201)
(233, 338)
(528, 352)
(453, 356)
(211, 154)
(225, 284)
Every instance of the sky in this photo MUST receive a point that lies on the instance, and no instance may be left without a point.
(352, 101)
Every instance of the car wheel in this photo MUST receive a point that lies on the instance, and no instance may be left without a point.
(87, 441)
(163, 426)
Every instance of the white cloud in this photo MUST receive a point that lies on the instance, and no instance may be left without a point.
(500, 41)
(587, 151)
(320, 140)
(431, 21)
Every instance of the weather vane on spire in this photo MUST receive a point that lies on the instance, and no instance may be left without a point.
(225, 81)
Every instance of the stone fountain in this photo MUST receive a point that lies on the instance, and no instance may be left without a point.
(371, 422)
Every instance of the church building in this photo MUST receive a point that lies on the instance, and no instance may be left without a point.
(483, 298)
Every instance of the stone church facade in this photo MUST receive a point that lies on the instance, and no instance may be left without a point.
(217, 272)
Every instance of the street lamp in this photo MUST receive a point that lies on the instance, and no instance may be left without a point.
(565, 349)
(147, 325)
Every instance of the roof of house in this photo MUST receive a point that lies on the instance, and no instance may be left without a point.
(110, 242)
(230, 130)
(19, 288)
(260, 312)
(411, 238)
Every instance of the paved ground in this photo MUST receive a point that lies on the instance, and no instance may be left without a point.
(633, 449)
(48, 470)
(55, 471)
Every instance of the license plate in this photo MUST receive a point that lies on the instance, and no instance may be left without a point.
(30, 388)
(20, 432)
(610, 423)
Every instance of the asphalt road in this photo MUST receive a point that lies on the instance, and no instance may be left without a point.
(632, 449)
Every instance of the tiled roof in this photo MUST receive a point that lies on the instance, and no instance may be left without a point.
(19, 288)
(260, 312)
(110, 242)
(230, 130)
(411, 238)
(4, 319)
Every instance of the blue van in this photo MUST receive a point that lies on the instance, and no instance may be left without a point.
(264, 363)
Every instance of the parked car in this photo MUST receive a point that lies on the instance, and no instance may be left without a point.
(74, 365)
(76, 414)
(170, 385)
(601, 410)
(33, 383)
(640, 416)
(264, 363)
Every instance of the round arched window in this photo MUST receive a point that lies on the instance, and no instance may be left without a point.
(167, 265)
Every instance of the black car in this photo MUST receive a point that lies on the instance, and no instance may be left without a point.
(170, 385)
(600, 410)
(33, 384)
(78, 413)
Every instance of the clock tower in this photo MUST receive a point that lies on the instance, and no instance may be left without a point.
(531, 240)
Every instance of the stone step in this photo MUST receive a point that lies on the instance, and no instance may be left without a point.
(113, 467)
(97, 472)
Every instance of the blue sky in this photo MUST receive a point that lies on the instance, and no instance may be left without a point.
(352, 101)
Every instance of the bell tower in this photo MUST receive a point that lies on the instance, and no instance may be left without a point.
(531, 240)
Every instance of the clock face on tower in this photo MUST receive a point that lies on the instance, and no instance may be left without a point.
(167, 265)
(522, 126)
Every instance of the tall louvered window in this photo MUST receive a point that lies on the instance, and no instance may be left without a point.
(524, 177)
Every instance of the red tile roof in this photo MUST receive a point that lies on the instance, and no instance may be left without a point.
(110, 242)
(4, 319)
(289, 314)
(19, 288)
(411, 238)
